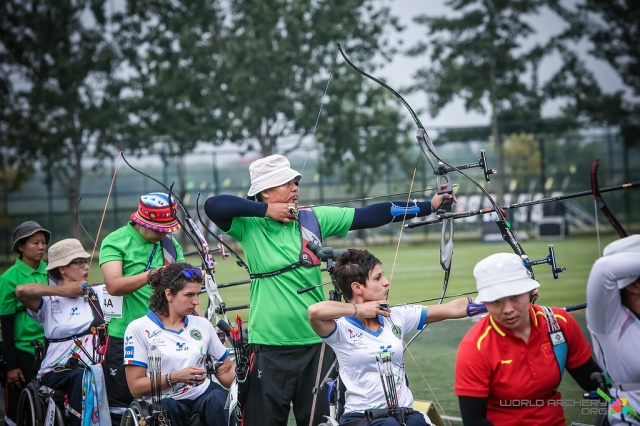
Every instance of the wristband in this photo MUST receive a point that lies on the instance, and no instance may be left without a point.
(474, 309)
(356, 308)
(167, 378)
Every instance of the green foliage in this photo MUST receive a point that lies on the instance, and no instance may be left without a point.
(168, 92)
(279, 56)
(479, 56)
(363, 140)
(612, 30)
(55, 61)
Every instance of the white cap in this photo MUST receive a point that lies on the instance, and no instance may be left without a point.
(269, 172)
(502, 275)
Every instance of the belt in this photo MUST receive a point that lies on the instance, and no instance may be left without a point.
(264, 348)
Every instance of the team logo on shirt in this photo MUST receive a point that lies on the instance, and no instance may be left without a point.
(128, 347)
(397, 331)
(196, 334)
(181, 347)
(354, 334)
(150, 334)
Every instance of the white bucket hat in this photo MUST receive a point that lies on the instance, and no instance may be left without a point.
(64, 251)
(630, 244)
(502, 275)
(269, 172)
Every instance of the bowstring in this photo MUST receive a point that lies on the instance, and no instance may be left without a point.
(322, 101)
(446, 417)
(106, 205)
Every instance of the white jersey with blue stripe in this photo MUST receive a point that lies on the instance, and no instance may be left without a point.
(356, 348)
(179, 349)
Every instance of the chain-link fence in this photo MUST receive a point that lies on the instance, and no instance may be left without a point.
(564, 167)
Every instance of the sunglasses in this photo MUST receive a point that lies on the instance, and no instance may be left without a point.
(187, 273)
(80, 262)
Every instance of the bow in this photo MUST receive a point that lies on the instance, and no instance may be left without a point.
(597, 196)
(216, 307)
(444, 187)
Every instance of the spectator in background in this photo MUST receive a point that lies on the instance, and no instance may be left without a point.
(19, 330)
(127, 256)
(613, 319)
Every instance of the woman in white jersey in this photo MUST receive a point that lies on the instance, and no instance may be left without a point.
(184, 341)
(364, 333)
(71, 314)
(613, 319)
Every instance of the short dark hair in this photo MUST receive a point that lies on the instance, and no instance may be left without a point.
(161, 279)
(353, 265)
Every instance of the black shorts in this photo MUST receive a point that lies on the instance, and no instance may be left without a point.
(281, 375)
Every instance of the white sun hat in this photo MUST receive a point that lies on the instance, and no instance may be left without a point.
(502, 275)
(269, 172)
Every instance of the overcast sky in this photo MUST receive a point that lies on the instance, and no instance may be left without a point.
(399, 72)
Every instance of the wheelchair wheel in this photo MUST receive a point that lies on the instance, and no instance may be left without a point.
(136, 414)
(30, 409)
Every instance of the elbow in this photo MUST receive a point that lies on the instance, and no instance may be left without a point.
(313, 312)
(111, 284)
(19, 292)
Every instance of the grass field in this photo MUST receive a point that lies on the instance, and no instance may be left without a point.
(417, 275)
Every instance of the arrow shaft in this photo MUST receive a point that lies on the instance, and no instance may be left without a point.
(630, 185)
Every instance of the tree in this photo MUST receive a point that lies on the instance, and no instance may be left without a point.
(365, 141)
(481, 56)
(250, 73)
(612, 30)
(279, 56)
(55, 62)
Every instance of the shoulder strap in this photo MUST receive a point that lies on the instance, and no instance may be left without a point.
(309, 231)
(98, 319)
(169, 252)
(556, 336)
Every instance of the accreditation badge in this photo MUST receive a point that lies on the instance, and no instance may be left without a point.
(112, 305)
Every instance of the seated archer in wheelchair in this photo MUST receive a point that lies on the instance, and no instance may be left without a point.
(184, 341)
(71, 314)
(366, 336)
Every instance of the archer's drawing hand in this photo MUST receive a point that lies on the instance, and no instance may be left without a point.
(373, 308)
(282, 212)
(74, 288)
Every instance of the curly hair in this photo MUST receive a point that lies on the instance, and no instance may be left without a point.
(353, 265)
(168, 277)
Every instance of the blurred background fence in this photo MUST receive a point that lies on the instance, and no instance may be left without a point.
(564, 167)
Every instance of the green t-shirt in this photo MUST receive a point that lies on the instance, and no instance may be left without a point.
(129, 246)
(26, 328)
(278, 314)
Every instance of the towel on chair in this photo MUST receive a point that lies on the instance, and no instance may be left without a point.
(95, 409)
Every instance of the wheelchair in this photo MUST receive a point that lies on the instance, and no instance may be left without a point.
(142, 413)
(34, 402)
(39, 404)
(35, 398)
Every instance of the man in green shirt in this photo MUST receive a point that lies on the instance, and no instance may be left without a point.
(273, 232)
(18, 328)
(126, 257)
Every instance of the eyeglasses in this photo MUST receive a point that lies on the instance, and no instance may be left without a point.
(80, 262)
(187, 273)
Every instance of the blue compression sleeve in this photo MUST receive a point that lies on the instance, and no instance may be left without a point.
(221, 209)
(394, 211)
